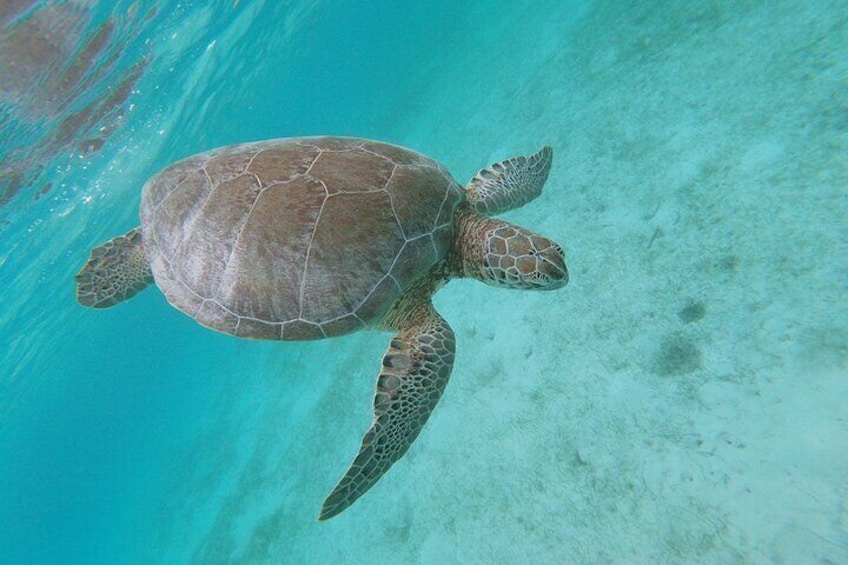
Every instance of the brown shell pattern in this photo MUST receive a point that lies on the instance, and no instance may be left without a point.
(299, 238)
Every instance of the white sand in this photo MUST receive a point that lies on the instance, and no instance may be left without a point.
(682, 400)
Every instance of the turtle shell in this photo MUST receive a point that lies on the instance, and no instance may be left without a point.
(299, 238)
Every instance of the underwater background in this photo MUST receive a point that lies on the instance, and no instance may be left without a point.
(683, 400)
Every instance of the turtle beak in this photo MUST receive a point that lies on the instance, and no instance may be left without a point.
(550, 265)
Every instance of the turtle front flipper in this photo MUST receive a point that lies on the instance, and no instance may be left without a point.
(114, 272)
(509, 184)
(415, 370)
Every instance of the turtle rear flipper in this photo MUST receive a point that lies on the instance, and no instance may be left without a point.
(415, 371)
(114, 272)
(509, 184)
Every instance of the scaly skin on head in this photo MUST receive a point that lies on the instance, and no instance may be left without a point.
(505, 255)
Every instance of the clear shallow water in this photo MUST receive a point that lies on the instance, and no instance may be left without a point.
(681, 400)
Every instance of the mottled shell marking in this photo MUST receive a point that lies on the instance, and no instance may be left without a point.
(296, 238)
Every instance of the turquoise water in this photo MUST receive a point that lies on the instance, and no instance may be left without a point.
(682, 400)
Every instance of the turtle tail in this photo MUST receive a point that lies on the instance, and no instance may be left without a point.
(114, 272)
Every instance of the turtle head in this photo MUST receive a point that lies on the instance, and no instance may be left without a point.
(505, 255)
(517, 258)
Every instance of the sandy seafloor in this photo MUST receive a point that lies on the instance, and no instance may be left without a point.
(683, 400)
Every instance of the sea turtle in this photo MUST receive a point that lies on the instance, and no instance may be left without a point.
(315, 237)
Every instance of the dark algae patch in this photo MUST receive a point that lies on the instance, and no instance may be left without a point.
(677, 355)
(692, 312)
